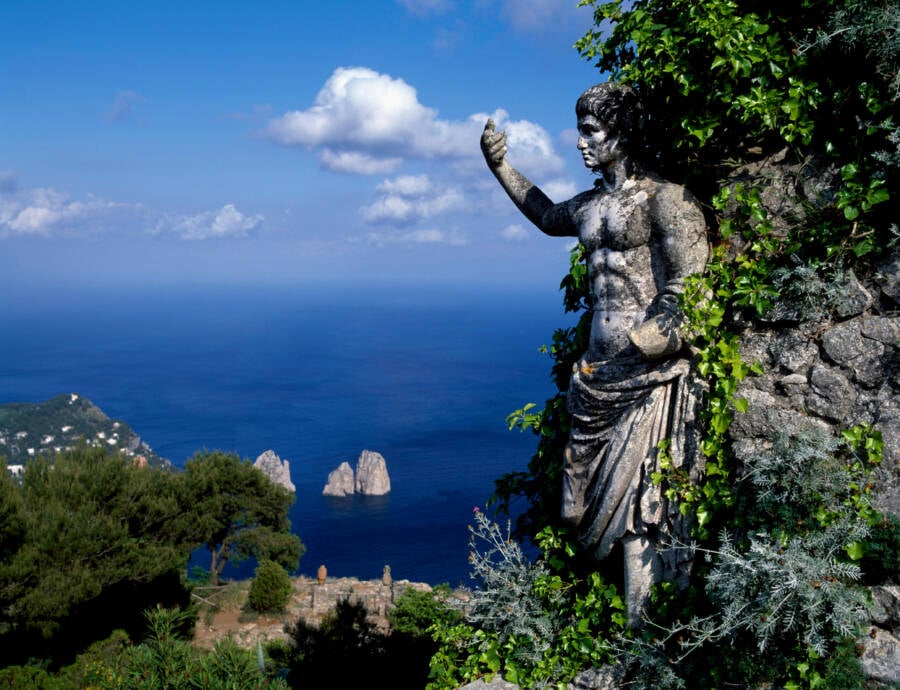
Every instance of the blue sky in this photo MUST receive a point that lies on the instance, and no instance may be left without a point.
(282, 142)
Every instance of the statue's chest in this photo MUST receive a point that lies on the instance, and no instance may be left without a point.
(614, 220)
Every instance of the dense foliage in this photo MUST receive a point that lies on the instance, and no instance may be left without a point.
(89, 540)
(783, 120)
(240, 512)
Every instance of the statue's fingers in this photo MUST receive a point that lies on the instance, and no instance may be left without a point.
(498, 143)
(489, 126)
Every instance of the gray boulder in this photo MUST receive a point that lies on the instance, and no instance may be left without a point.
(340, 481)
(371, 474)
(276, 469)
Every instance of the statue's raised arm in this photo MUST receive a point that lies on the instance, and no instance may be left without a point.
(527, 196)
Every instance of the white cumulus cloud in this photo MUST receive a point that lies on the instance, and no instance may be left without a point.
(409, 198)
(367, 123)
(226, 222)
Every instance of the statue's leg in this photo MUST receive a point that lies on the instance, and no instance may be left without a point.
(642, 570)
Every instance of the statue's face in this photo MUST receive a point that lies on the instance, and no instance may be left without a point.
(598, 147)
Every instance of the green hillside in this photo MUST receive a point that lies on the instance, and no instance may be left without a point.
(28, 430)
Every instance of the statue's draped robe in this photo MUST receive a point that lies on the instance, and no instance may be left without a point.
(621, 410)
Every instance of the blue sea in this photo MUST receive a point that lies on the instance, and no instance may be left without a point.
(425, 376)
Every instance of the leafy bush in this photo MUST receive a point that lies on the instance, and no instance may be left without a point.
(271, 588)
(167, 661)
(415, 612)
(535, 622)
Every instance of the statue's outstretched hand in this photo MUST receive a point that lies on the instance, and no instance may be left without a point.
(493, 145)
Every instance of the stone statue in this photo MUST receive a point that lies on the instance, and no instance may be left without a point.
(633, 387)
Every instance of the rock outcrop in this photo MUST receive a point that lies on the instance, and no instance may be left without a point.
(370, 478)
(371, 474)
(340, 481)
(276, 469)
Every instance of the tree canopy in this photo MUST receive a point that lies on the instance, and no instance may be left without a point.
(239, 512)
(89, 540)
(85, 530)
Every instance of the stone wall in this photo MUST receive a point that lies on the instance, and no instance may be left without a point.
(834, 375)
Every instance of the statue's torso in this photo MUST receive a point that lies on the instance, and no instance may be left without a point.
(615, 228)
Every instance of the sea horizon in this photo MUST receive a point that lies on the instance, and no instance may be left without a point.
(424, 375)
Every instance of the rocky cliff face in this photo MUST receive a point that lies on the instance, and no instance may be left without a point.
(370, 478)
(276, 469)
(340, 481)
(371, 474)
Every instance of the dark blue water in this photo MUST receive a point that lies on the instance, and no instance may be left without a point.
(423, 376)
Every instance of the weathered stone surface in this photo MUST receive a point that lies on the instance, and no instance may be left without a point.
(881, 656)
(888, 277)
(276, 469)
(845, 344)
(885, 611)
(884, 330)
(856, 300)
(765, 417)
(605, 678)
(371, 474)
(793, 350)
(831, 395)
(340, 481)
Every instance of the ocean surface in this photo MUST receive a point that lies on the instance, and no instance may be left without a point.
(425, 376)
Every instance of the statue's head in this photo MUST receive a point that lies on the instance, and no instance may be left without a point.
(617, 107)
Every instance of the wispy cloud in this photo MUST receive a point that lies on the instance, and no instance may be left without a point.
(514, 233)
(426, 7)
(124, 106)
(46, 211)
(227, 222)
(425, 236)
(8, 181)
(257, 113)
(545, 16)
(368, 123)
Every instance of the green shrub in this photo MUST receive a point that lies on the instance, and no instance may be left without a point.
(28, 678)
(414, 612)
(271, 588)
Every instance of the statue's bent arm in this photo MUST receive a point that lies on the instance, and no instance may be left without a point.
(679, 240)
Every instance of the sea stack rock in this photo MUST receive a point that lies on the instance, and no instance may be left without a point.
(371, 474)
(276, 469)
(340, 481)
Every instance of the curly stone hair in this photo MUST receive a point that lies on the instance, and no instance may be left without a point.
(618, 107)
